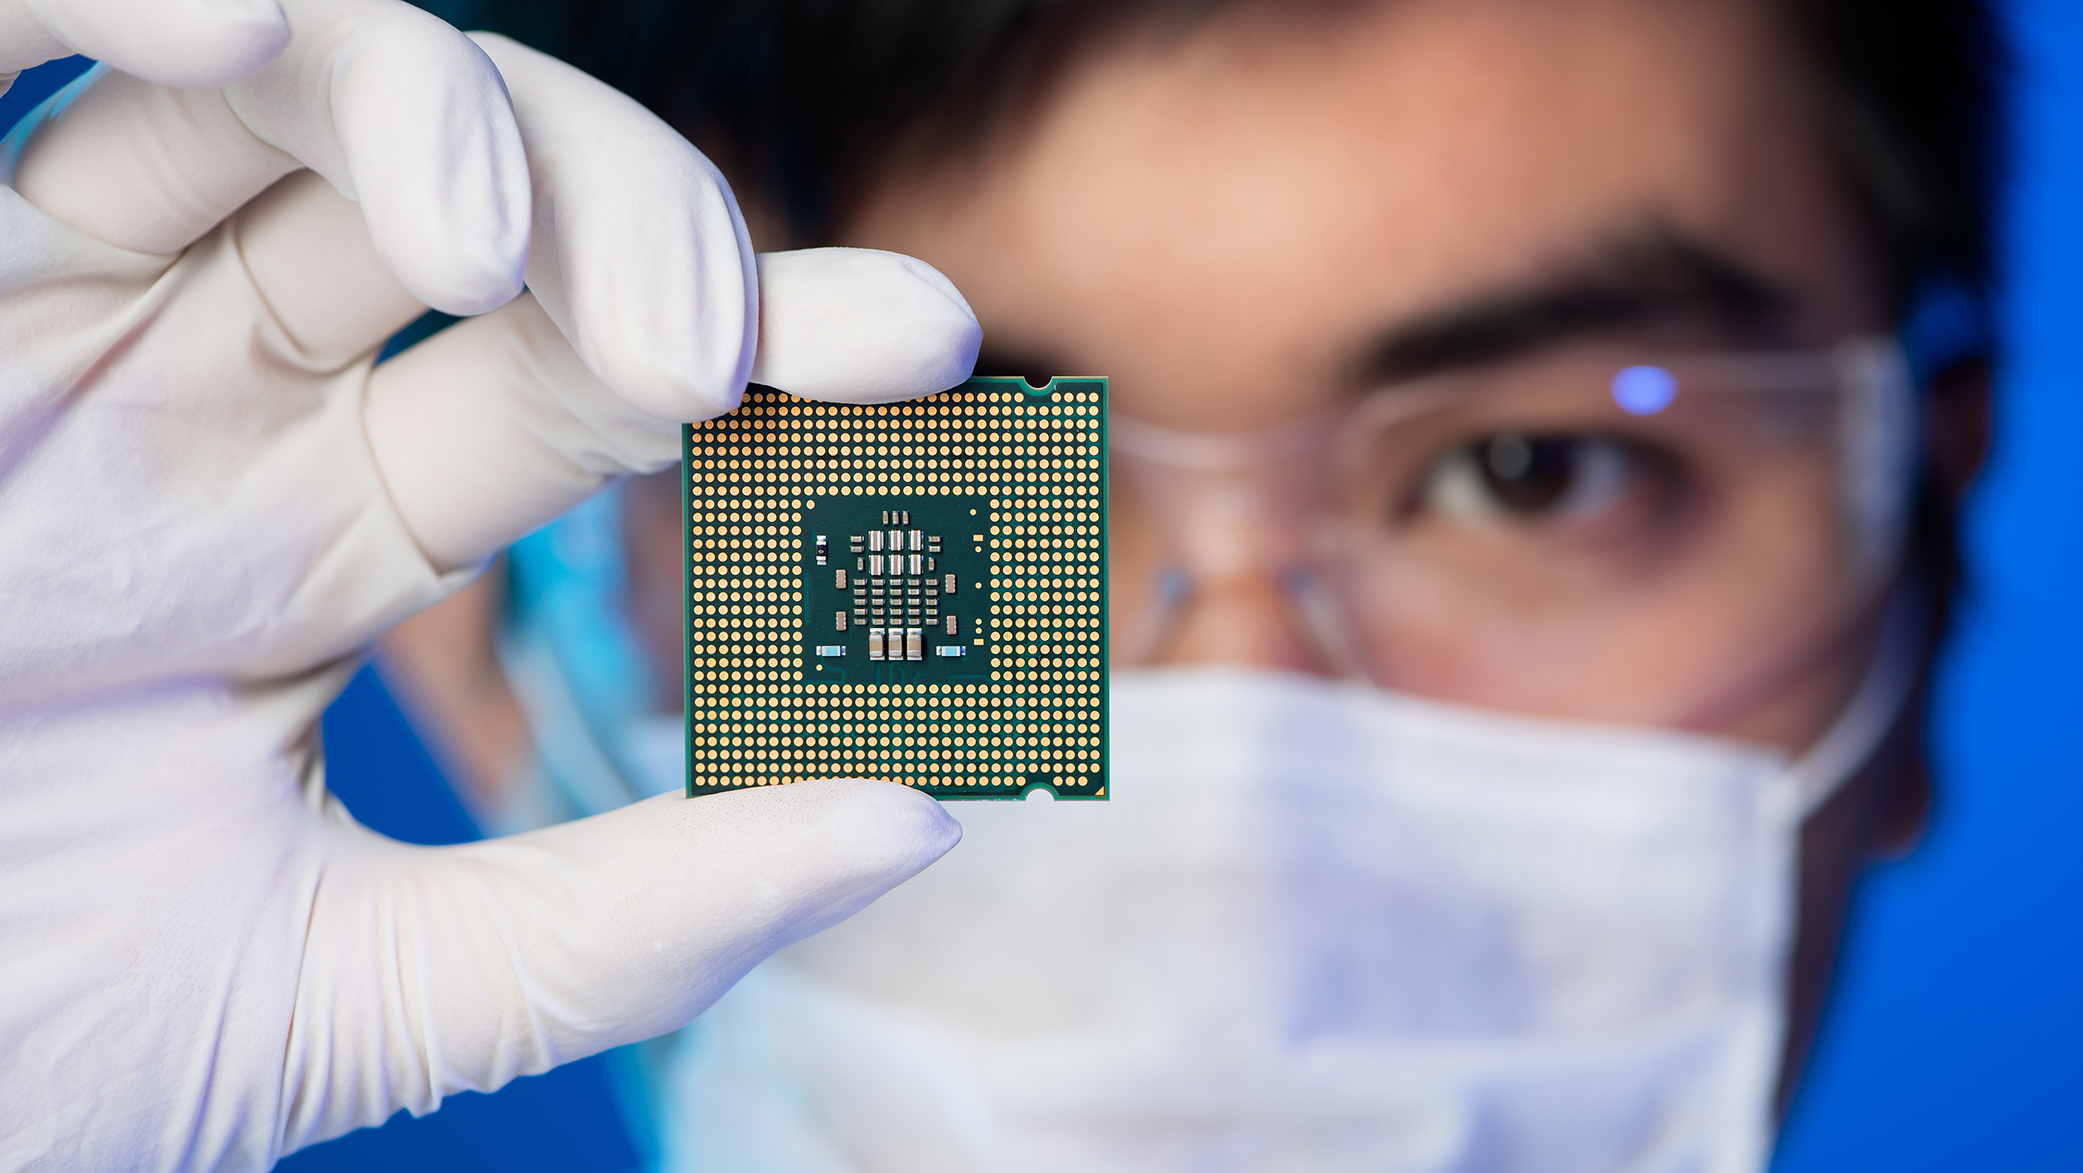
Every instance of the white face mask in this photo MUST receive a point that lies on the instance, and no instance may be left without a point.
(1318, 927)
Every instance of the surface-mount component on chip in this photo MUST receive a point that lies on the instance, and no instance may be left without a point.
(956, 638)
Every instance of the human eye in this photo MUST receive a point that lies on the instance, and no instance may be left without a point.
(1538, 479)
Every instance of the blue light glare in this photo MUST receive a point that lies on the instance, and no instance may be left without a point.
(1644, 390)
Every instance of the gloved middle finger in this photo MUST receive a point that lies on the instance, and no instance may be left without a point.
(399, 111)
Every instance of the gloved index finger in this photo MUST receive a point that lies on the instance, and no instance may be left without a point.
(399, 111)
(641, 258)
(646, 307)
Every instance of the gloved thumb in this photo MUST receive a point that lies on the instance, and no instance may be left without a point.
(431, 971)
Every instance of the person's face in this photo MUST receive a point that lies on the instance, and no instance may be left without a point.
(1253, 221)
(1258, 219)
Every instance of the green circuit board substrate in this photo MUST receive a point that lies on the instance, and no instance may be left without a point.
(909, 591)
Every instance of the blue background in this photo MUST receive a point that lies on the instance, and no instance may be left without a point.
(1956, 1038)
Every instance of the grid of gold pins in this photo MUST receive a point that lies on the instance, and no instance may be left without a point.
(753, 480)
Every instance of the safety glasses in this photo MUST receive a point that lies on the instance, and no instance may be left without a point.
(1603, 532)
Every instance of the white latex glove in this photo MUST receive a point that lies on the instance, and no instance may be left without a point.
(210, 503)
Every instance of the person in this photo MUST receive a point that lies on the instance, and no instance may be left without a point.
(211, 503)
(1537, 431)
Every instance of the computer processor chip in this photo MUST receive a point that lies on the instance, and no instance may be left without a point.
(909, 591)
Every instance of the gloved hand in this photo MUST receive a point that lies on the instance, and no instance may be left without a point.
(210, 503)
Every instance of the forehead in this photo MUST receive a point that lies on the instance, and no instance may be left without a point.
(1248, 203)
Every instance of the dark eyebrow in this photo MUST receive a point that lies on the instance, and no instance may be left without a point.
(1635, 278)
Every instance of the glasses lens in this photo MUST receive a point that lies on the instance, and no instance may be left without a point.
(1506, 537)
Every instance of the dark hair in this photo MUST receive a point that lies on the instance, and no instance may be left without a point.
(1916, 89)
(799, 98)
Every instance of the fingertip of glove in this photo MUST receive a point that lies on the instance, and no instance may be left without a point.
(896, 829)
(815, 852)
(461, 280)
(465, 286)
(448, 197)
(495, 44)
(861, 326)
(926, 275)
(183, 43)
(663, 380)
(246, 36)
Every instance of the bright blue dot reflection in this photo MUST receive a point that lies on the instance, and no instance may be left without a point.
(1644, 390)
